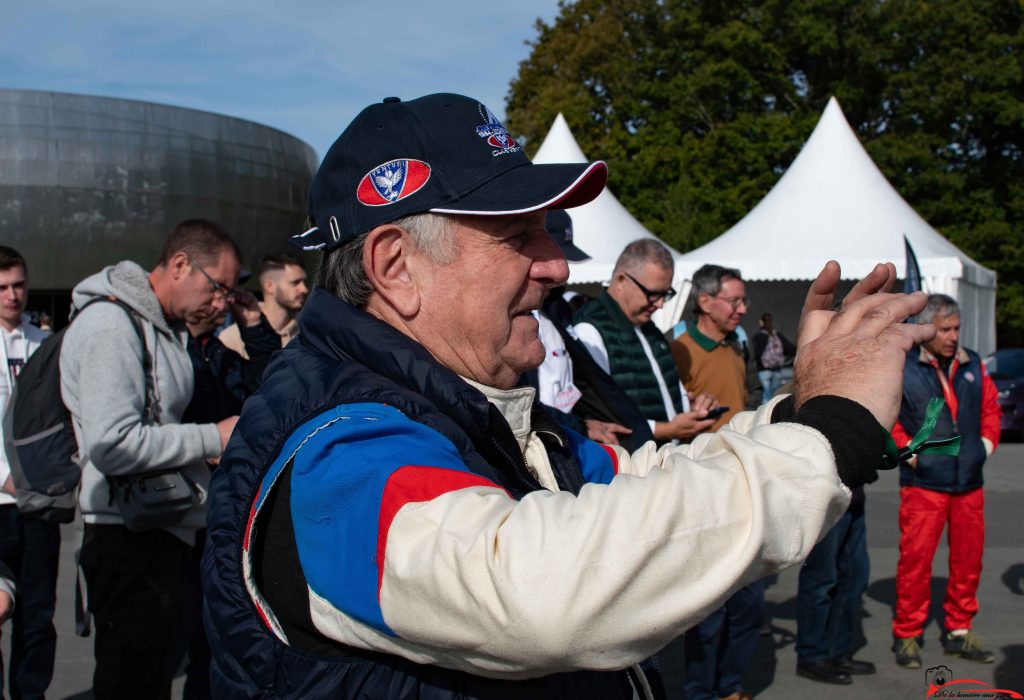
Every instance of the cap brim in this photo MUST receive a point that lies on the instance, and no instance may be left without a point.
(533, 187)
(572, 253)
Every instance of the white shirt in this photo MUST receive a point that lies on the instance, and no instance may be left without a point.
(554, 376)
(592, 340)
(17, 346)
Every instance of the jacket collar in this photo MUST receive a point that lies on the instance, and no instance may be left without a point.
(342, 331)
(707, 344)
(927, 358)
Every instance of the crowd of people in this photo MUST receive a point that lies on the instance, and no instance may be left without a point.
(447, 477)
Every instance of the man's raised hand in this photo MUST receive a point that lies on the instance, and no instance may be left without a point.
(858, 352)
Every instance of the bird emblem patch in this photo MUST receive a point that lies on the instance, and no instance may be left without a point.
(496, 134)
(392, 181)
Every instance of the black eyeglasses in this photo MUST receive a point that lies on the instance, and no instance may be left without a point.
(220, 291)
(736, 302)
(653, 295)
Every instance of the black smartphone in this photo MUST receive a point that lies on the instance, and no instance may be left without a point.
(716, 412)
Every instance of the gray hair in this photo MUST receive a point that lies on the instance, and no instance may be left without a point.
(341, 270)
(641, 252)
(708, 280)
(938, 306)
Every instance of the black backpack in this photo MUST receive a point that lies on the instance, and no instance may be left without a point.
(38, 435)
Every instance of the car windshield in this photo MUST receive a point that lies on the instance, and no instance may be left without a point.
(1007, 364)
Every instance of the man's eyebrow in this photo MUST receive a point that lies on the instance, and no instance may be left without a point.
(514, 224)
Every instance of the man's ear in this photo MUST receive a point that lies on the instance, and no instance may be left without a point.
(179, 265)
(703, 300)
(387, 256)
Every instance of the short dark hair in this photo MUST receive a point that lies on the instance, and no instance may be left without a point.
(708, 280)
(938, 306)
(9, 258)
(202, 240)
(276, 261)
(641, 252)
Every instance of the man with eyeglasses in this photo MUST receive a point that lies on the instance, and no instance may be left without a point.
(617, 330)
(710, 359)
(127, 417)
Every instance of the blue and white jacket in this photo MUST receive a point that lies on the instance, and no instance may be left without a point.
(380, 528)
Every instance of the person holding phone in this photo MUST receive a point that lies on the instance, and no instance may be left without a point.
(617, 330)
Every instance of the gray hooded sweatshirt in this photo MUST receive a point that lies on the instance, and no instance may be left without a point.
(104, 387)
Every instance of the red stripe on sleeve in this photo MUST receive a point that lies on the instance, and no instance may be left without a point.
(252, 518)
(614, 456)
(991, 413)
(417, 484)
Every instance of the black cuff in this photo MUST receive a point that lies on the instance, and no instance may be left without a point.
(857, 439)
(784, 410)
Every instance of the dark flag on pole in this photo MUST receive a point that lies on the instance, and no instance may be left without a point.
(912, 276)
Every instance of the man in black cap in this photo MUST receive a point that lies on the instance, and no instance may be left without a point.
(389, 521)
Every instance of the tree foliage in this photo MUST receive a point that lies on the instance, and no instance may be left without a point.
(700, 106)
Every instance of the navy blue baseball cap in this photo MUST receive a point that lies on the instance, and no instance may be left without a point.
(559, 226)
(441, 153)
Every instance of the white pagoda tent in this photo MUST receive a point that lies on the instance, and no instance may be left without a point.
(834, 203)
(601, 228)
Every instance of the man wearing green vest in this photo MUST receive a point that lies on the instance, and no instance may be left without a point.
(617, 330)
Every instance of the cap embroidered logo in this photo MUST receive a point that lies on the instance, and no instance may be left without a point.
(392, 181)
(496, 134)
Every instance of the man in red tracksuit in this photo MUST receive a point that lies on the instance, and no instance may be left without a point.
(940, 489)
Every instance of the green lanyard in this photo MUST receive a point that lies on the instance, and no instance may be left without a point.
(920, 444)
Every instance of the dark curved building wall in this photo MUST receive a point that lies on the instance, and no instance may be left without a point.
(87, 181)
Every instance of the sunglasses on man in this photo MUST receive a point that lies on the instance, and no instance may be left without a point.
(653, 295)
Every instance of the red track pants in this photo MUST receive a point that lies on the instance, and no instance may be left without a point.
(923, 515)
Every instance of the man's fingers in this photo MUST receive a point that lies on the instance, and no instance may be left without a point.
(872, 315)
(702, 404)
(880, 279)
(812, 326)
(621, 429)
(822, 290)
(907, 335)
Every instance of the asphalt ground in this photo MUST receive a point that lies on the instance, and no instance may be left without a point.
(772, 676)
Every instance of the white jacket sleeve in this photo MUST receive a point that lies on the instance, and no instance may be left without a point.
(478, 581)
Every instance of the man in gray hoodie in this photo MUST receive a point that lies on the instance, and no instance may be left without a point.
(134, 579)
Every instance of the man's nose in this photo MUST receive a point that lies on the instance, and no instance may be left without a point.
(549, 265)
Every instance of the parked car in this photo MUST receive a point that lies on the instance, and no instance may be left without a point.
(1007, 369)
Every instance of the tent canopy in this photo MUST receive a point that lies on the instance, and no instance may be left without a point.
(834, 203)
(601, 228)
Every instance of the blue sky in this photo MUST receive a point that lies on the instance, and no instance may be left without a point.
(306, 67)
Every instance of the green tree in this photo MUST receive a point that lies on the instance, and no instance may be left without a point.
(699, 107)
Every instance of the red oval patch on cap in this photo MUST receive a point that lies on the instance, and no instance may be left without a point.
(392, 181)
